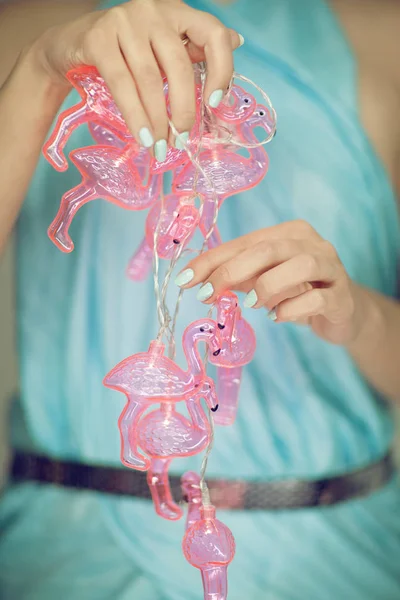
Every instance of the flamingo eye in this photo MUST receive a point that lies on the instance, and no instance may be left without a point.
(202, 329)
(246, 100)
(261, 113)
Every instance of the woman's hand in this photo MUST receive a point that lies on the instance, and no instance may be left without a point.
(288, 269)
(131, 46)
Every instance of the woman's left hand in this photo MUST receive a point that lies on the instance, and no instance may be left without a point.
(288, 269)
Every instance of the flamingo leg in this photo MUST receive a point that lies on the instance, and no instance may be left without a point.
(158, 481)
(140, 264)
(55, 146)
(69, 206)
(215, 582)
(228, 385)
(127, 426)
(206, 223)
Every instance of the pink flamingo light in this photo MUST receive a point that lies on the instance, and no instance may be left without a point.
(96, 105)
(150, 377)
(230, 172)
(106, 173)
(209, 546)
(238, 348)
(165, 434)
(175, 223)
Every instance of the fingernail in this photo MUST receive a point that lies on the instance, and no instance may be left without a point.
(185, 277)
(183, 138)
(160, 150)
(215, 98)
(250, 300)
(146, 139)
(272, 315)
(205, 292)
(241, 40)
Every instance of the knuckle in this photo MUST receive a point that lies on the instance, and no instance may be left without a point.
(220, 33)
(310, 264)
(93, 42)
(318, 301)
(328, 249)
(303, 227)
(224, 275)
(117, 15)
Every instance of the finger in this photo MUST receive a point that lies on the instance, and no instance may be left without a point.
(175, 62)
(200, 268)
(196, 53)
(216, 41)
(299, 270)
(149, 83)
(310, 304)
(114, 70)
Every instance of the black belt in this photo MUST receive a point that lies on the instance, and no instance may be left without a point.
(225, 494)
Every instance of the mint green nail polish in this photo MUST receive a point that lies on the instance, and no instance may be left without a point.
(205, 292)
(146, 139)
(215, 98)
(250, 300)
(183, 138)
(160, 150)
(241, 40)
(272, 315)
(185, 277)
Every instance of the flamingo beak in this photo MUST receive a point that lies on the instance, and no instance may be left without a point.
(211, 400)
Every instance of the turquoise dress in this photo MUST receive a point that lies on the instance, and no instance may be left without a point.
(306, 411)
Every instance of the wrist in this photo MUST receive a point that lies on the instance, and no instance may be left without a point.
(369, 320)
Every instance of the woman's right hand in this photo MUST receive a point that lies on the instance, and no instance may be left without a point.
(132, 45)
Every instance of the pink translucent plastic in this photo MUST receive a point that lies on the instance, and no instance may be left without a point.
(238, 348)
(230, 172)
(191, 493)
(175, 226)
(97, 105)
(163, 434)
(209, 545)
(107, 173)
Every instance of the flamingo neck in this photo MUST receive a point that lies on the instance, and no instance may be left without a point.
(197, 415)
(192, 354)
(258, 154)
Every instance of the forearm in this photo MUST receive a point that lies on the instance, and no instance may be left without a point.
(23, 21)
(376, 349)
(28, 105)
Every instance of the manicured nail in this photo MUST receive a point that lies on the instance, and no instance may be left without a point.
(241, 40)
(185, 277)
(146, 139)
(160, 150)
(272, 315)
(250, 300)
(215, 98)
(205, 292)
(183, 138)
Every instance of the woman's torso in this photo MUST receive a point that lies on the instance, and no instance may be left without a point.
(305, 409)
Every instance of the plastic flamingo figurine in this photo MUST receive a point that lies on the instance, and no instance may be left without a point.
(163, 435)
(175, 222)
(97, 105)
(238, 348)
(150, 377)
(230, 172)
(191, 493)
(106, 173)
(209, 545)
